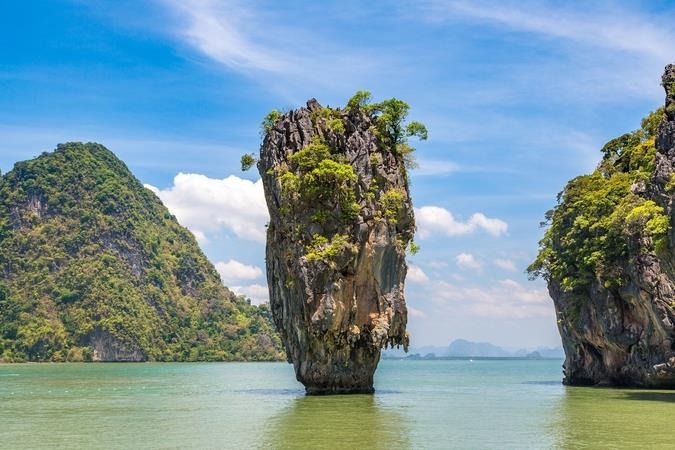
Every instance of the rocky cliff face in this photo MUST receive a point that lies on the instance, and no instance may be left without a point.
(618, 324)
(340, 221)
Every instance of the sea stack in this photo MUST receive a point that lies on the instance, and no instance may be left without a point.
(341, 219)
(609, 259)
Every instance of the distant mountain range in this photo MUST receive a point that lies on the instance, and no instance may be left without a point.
(461, 348)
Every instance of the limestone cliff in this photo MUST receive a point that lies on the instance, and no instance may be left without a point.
(341, 219)
(609, 259)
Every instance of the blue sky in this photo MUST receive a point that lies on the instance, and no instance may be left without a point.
(518, 97)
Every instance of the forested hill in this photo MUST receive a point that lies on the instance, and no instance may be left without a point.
(94, 267)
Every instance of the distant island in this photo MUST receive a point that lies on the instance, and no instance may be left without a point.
(461, 348)
(93, 267)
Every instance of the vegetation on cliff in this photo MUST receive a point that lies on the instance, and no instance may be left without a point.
(86, 251)
(601, 219)
(319, 183)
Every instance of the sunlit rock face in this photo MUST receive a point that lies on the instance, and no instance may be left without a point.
(340, 221)
(625, 335)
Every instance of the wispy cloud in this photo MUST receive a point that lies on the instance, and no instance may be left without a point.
(217, 29)
(597, 24)
(414, 312)
(256, 41)
(607, 46)
(505, 264)
(431, 167)
(506, 299)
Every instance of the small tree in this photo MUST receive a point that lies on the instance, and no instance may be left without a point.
(247, 161)
(359, 100)
(269, 121)
(391, 115)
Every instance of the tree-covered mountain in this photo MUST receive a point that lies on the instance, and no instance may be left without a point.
(94, 267)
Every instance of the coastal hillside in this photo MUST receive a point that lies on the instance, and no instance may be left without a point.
(609, 259)
(94, 267)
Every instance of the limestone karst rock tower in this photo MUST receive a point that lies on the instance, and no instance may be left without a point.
(341, 219)
(609, 259)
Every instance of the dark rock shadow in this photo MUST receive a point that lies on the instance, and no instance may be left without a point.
(544, 383)
(656, 396)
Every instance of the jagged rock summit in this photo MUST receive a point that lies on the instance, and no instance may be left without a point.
(94, 268)
(609, 259)
(341, 219)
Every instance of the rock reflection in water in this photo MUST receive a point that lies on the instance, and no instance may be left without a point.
(353, 421)
(600, 418)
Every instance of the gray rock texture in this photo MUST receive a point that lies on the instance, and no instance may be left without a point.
(626, 336)
(107, 348)
(336, 278)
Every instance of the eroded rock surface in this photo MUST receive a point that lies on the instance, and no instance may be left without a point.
(340, 221)
(622, 333)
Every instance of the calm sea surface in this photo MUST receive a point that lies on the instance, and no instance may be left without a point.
(418, 404)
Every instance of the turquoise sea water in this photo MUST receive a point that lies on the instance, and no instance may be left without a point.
(418, 404)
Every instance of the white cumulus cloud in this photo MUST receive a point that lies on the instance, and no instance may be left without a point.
(434, 219)
(467, 261)
(205, 204)
(233, 271)
(258, 293)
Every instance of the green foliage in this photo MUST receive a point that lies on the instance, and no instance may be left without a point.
(327, 112)
(599, 222)
(390, 129)
(336, 125)
(268, 122)
(310, 157)
(650, 124)
(247, 161)
(359, 100)
(323, 250)
(670, 186)
(320, 189)
(391, 114)
(320, 181)
(670, 98)
(413, 248)
(390, 203)
(85, 249)
(417, 129)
